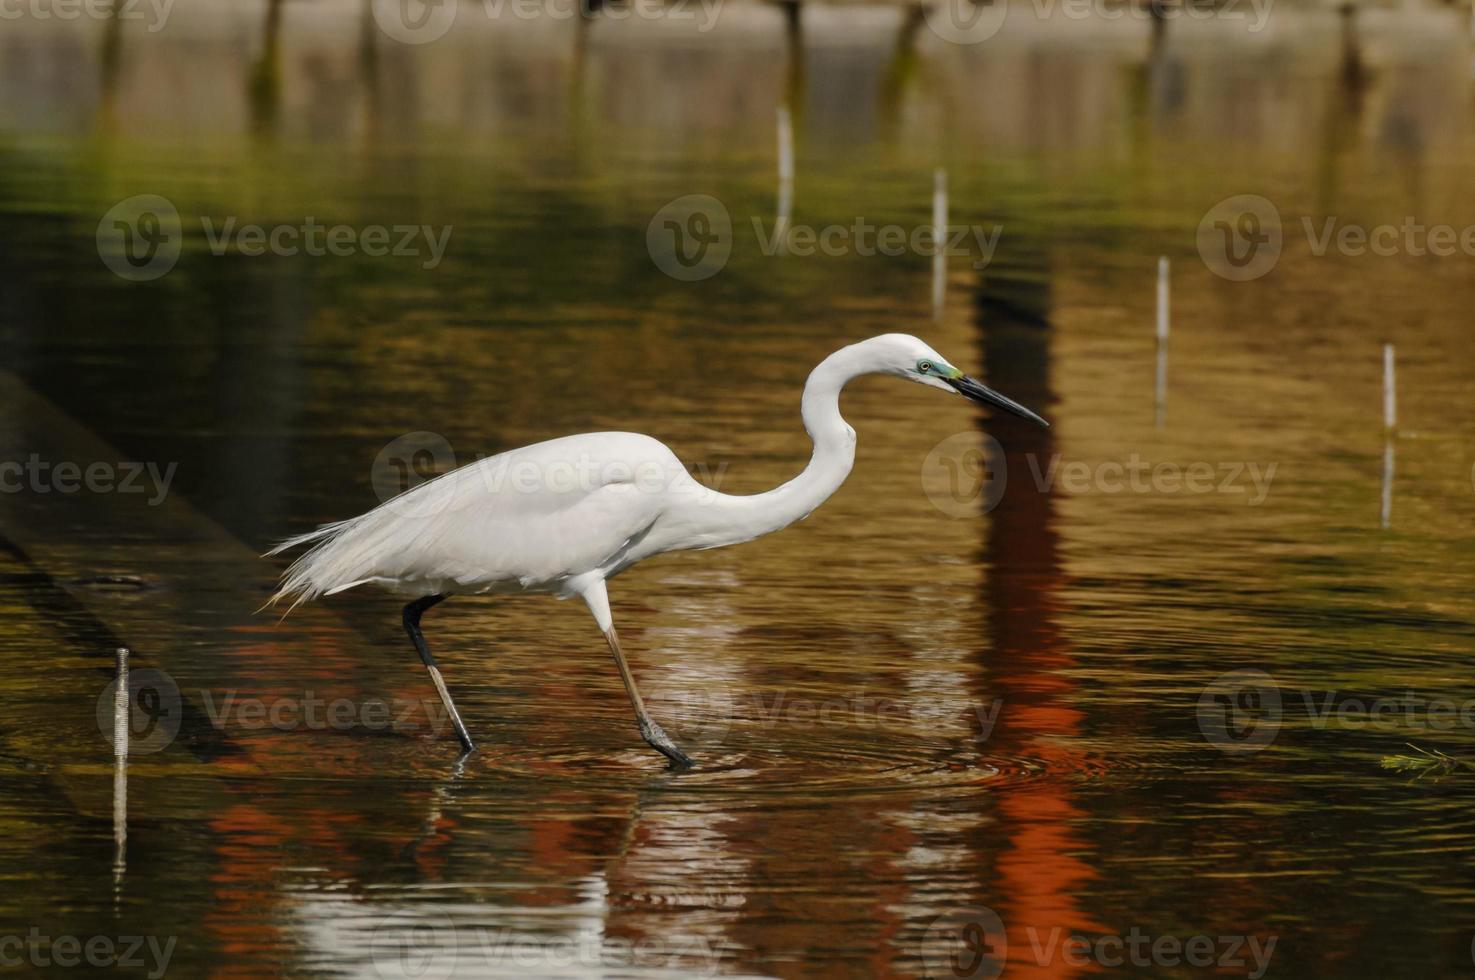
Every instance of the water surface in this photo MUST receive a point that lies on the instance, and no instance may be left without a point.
(909, 708)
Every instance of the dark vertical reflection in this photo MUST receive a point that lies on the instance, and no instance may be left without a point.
(901, 72)
(1403, 132)
(110, 60)
(265, 87)
(1155, 91)
(1353, 75)
(369, 74)
(1039, 872)
(581, 106)
(794, 71)
(1344, 113)
(1159, 13)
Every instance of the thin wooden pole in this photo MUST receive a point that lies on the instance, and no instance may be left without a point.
(1160, 385)
(1162, 299)
(120, 707)
(785, 126)
(939, 241)
(120, 772)
(1390, 390)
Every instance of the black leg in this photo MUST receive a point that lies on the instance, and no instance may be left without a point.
(412, 627)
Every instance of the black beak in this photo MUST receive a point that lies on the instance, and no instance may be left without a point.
(977, 391)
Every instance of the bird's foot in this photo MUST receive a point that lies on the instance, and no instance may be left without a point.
(656, 737)
(464, 737)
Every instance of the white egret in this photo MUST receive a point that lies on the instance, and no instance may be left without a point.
(566, 515)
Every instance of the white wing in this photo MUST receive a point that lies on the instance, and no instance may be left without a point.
(530, 518)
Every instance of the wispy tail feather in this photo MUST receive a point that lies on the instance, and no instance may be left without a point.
(310, 575)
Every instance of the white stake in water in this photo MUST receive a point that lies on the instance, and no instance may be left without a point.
(1390, 390)
(785, 170)
(120, 707)
(1387, 509)
(1472, 35)
(1390, 422)
(1162, 299)
(1160, 387)
(939, 240)
(120, 770)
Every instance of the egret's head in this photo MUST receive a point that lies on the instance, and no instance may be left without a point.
(907, 357)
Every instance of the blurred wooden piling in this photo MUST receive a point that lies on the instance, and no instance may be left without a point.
(120, 771)
(1390, 390)
(785, 169)
(1160, 382)
(1162, 299)
(939, 240)
(1390, 423)
(120, 706)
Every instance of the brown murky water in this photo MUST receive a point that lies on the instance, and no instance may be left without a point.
(956, 718)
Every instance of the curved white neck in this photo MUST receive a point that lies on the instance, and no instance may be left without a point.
(728, 519)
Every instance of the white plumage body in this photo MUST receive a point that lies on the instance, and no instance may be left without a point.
(542, 518)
